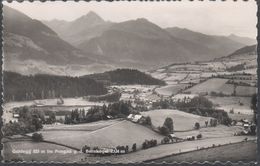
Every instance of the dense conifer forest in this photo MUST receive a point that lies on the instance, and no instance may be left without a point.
(19, 87)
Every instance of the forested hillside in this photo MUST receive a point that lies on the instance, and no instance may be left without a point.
(126, 76)
(19, 87)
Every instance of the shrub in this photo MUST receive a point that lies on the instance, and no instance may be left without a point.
(36, 137)
(197, 126)
(147, 121)
(199, 136)
(165, 140)
(149, 143)
(253, 130)
(164, 130)
(134, 147)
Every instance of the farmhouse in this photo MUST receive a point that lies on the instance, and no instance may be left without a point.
(174, 138)
(135, 118)
(15, 115)
(109, 117)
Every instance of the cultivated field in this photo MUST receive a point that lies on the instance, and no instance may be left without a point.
(215, 84)
(211, 132)
(81, 127)
(246, 90)
(176, 77)
(116, 133)
(170, 89)
(238, 104)
(168, 149)
(246, 153)
(181, 120)
(219, 85)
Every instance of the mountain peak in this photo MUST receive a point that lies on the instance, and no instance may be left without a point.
(92, 14)
(142, 20)
(91, 17)
(232, 35)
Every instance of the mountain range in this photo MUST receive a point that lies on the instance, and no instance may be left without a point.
(90, 44)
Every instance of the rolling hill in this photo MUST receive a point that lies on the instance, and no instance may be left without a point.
(248, 50)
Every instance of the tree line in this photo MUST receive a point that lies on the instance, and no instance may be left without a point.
(126, 77)
(119, 109)
(19, 87)
(198, 105)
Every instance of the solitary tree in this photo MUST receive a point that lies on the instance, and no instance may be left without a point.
(134, 147)
(168, 123)
(37, 137)
(206, 123)
(148, 120)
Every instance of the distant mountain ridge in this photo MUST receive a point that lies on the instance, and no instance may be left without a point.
(244, 40)
(26, 38)
(31, 47)
(92, 45)
(81, 29)
(140, 43)
(220, 45)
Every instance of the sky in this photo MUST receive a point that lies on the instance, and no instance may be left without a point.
(214, 18)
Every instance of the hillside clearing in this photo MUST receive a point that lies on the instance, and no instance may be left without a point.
(120, 133)
(246, 153)
(215, 84)
(220, 85)
(170, 89)
(238, 104)
(81, 127)
(181, 120)
(168, 149)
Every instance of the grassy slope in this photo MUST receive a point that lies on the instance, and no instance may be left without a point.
(170, 89)
(119, 133)
(219, 85)
(181, 120)
(245, 151)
